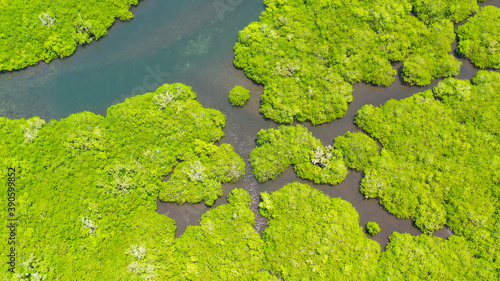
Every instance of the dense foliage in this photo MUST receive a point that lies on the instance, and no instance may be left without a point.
(86, 186)
(239, 96)
(37, 30)
(225, 246)
(308, 65)
(431, 258)
(277, 149)
(440, 160)
(372, 228)
(311, 236)
(448, 142)
(357, 149)
(479, 38)
(433, 10)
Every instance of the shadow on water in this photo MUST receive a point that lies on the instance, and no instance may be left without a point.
(190, 42)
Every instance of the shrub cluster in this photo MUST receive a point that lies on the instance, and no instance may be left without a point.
(87, 185)
(44, 30)
(308, 66)
(479, 38)
(239, 96)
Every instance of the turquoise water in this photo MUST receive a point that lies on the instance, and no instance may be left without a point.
(167, 41)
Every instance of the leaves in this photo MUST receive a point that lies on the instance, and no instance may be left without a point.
(239, 96)
(311, 236)
(41, 30)
(438, 165)
(88, 184)
(479, 38)
(277, 149)
(308, 66)
(357, 149)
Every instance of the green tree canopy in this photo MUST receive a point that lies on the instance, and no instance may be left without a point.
(357, 149)
(425, 257)
(432, 10)
(440, 160)
(87, 185)
(32, 31)
(436, 165)
(479, 38)
(239, 96)
(372, 228)
(224, 246)
(309, 53)
(277, 149)
(311, 236)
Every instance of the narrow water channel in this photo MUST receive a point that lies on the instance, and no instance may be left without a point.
(191, 42)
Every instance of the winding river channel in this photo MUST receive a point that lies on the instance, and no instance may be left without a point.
(191, 41)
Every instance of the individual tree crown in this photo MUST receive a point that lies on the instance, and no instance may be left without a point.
(308, 66)
(372, 228)
(239, 96)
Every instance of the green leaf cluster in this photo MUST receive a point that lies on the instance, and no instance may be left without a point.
(479, 38)
(426, 257)
(44, 30)
(357, 149)
(433, 60)
(311, 236)
(224, 246)
(239, 96)
(433, 10)
(199, 177)
(440, 160)
(87, 185)
(309, 53)
(372, 228)
(277, 149)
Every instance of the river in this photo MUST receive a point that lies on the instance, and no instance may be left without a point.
(191, 42)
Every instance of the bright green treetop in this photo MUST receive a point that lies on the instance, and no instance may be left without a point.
(308, 65)
(372, 228)
(32, 31)
(277, 149)
(311, 236)
(239, 96)
(479, 38)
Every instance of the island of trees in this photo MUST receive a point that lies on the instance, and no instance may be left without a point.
(308, 65)
(277, 149)
(479, 38)
(239, 96)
